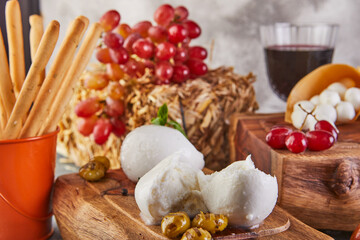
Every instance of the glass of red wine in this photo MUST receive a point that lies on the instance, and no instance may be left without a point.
(292, 51)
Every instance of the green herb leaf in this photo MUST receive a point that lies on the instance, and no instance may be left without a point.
(156, 121)
(163, 114)
(177, 126)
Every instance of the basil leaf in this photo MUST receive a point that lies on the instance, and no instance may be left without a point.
(177, 126)
(156, 121)
(163, 114)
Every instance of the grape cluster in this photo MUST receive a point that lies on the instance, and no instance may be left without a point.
(125, 52)
(321, 138)
(163, 48)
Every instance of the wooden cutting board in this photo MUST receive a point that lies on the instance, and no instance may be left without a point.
(319, 188)
(85, 210)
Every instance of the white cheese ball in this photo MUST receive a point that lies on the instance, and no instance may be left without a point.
(242, 193)
(299, 117)
(329, 97)
(146, 146)
(325, 112)
(345, 111)
(339, 88)
(170, 186)
(304, 105)
(353, 95)
(315, 100)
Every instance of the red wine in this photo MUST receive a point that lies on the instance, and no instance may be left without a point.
(287, 64)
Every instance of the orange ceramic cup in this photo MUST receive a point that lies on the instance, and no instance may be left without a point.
(27, 169)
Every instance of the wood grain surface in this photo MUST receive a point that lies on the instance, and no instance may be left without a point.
(319, 188)
(85, 210)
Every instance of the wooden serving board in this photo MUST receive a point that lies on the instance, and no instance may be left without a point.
(83, 211)
(319, 188)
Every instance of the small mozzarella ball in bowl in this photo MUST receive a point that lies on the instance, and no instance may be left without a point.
(304, 105)
(325, 112)
(345, 111)
(329, 97)
(315, 100)
(302, 120)
(339, 88)
(353, 95)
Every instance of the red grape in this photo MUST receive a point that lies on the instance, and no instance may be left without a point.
(193, 28)
(142, 28)
(164, 15)
(114, 108)
(114, 72)
(296, 142)
(102, 130)
(149, 64)
(177, 33)
(181, 73)
(119, 127)
(181, 55)
(87, 108)
(181, 13)
(110, 20)
(86, 125)
(115, 90)
(197, 52)
(276, 137)
(103, 55)
(143, 48)
(134, 68)
(164, 71)
(165, 51)
(197, 67)
(123, 29)
(319, 140)
(96, 80)
(119, 56)
(129, 41)
(157, 34)
(113, 40)
(326, 126)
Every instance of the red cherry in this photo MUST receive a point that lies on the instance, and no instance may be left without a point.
(319, 140)
(276, 137)
(296, 142)
(326, 126)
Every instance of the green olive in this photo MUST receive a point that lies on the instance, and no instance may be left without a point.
(104, 160)
(210, 222)
(196, 234)
(175, 224)
(92, 171)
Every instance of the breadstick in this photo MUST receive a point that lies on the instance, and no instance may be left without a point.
(6, 90)
(68, 86)
(16, 44)
(2, 118)
(52, 82)
(36, 32)
(29, 90)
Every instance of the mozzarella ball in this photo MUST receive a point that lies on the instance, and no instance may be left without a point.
(146, 146)
(302, 120)
(241, 192)
(339, 88)
(345, 111)
(304, 105)
(329, 97)
(325, 112)
(315, 100)
(353, 95)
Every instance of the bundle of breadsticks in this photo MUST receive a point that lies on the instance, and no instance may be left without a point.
(32, 104)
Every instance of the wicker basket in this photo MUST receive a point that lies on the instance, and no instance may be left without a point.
(204, 103)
